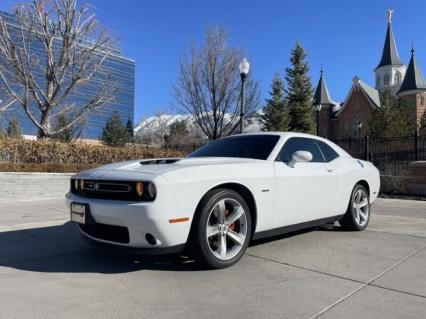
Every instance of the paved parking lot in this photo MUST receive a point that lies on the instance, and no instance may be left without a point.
(46, 271)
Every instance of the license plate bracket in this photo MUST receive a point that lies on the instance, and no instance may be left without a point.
(80, 213)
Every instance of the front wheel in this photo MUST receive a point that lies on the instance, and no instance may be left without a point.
(222, 229)
(357, 215)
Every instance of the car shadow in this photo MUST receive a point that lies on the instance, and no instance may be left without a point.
(60, 249)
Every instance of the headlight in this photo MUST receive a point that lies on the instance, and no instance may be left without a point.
(152, 192)
(145, 190)
(139, 189)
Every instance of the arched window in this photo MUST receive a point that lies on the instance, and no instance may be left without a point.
(422, 100)
(386, 79)
(397, 78)
(378, 81)
(356, 128)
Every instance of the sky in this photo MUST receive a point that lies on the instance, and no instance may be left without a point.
(345, 37)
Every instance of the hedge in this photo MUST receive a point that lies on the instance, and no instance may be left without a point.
(41, 155)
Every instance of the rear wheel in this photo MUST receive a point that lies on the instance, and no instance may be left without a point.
(222, 229)
(357, 215)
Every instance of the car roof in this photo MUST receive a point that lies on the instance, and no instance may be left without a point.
(286, 135)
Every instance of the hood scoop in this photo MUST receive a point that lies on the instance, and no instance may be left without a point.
(160, 161)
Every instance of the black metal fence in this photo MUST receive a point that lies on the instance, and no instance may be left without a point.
(386, 150)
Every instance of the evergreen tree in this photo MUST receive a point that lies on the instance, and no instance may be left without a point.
(275, 114)
(69, 134)
(422, 126)
(130, 132)
(13, 130)
(177, 136)
(299, 92)
(391, 119)
(114, 133)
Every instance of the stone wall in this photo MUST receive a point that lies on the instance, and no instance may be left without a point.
(33, 186)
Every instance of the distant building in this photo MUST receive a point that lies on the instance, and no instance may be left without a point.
(350, 118)
(122, 72)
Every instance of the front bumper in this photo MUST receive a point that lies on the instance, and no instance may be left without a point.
(140, 219)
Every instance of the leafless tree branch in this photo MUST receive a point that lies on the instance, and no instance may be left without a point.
(74, 49)
(209, 85)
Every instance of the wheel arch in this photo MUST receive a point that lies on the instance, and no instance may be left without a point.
(241, 189)
(364, 183)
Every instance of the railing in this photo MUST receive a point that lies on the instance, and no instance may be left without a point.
(385, 150)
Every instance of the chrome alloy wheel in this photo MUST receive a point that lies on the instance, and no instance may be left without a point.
(360, 207)
(226, 229)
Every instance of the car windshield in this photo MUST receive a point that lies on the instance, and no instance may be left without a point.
(245, 146)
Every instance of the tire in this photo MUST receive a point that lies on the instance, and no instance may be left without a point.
(221, 230)
(357, 215)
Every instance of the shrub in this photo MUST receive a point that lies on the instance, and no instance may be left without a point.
(76, 155)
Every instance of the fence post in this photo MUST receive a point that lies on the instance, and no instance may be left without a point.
(416, 146)
(366, 148)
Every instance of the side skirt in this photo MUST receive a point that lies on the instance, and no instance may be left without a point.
(295, 227)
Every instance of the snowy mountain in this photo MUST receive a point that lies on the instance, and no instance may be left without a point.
(161, 123)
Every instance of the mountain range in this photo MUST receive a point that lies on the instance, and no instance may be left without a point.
(162, 122)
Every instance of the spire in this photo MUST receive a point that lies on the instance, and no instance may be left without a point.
(321, 95)
(390, 54)
(413, 79)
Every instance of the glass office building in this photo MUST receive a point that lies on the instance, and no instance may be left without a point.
(122, 72)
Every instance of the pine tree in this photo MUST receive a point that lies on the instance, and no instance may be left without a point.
(114, 133)
(299, 92)
(13, 130)
(391, 119)
(275, 114)
(70, 134)
(177, 136)
(129, 129)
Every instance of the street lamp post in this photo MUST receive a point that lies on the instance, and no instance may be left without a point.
(318, 108)
(244, 70)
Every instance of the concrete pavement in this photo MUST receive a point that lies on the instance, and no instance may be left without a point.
(46, 271)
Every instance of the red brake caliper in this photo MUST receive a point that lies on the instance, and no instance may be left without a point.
(232, 226)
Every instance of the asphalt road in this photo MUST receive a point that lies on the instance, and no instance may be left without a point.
(46, 271)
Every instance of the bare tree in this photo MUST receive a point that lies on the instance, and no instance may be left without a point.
(209, 85)
(50, 51)
(4, 105)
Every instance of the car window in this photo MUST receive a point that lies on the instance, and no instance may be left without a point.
(327, 151)
(246, 146)
(295, 144)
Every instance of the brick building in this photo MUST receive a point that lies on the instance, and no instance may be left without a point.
(350, 118)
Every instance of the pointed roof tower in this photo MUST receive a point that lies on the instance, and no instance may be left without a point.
(321, 95)
(413, 79)
(390, 53)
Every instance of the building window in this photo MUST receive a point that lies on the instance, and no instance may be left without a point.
(378, 81)
(422, 100)
(386, 80)
(397, 78)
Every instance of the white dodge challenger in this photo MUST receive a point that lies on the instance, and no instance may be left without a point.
(233, 190)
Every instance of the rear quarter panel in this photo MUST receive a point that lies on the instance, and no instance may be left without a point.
(350, 172)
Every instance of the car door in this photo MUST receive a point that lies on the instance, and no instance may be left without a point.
(306, 191)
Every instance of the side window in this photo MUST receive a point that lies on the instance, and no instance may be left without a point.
(327, 151)
(295, 144)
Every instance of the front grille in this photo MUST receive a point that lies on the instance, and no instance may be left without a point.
(112, 190)
(118, 234)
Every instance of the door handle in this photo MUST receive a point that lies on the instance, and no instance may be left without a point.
(329, 170)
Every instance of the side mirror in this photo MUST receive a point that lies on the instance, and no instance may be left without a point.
(300, 156)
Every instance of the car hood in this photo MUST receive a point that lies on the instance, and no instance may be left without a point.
(162, 165)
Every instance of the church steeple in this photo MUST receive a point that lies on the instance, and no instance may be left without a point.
(390, 53)
(390, 71)
(413, 80)
(321, 95)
